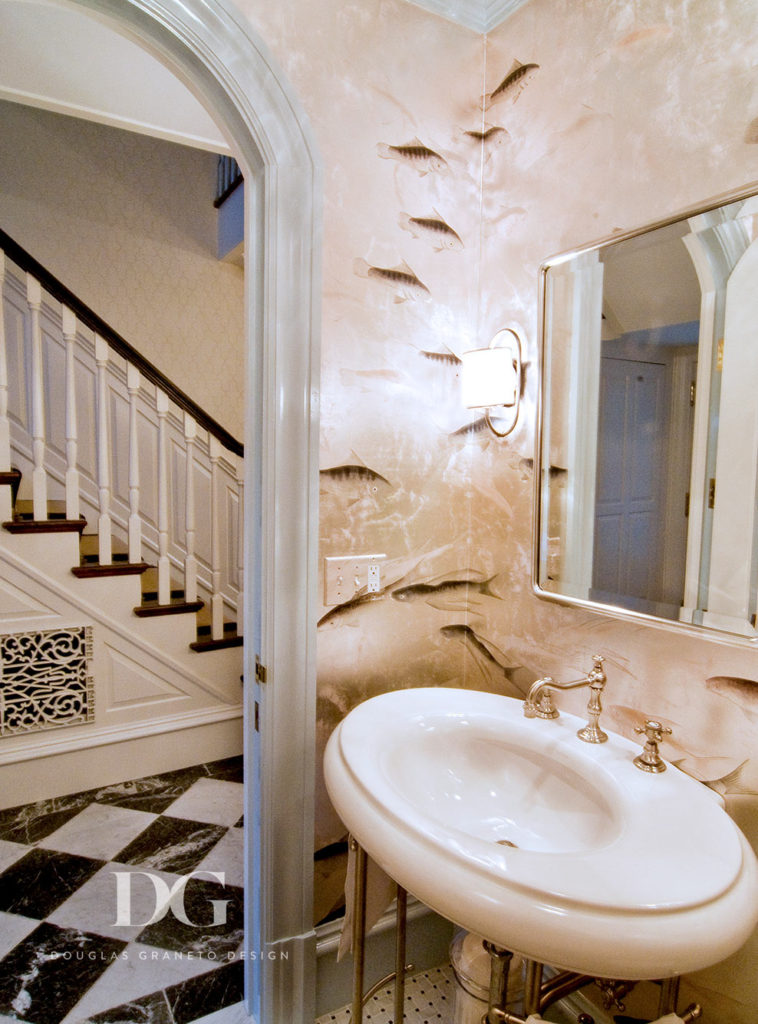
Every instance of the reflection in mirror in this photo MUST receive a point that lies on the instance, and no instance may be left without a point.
(647, 467)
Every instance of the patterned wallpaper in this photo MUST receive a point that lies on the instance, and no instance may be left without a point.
(72, 188)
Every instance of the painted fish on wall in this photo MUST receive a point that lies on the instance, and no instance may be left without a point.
(490, 138)
(512, 85)
(414, 154)
(400, 280)
(446, 358)
(432, 229)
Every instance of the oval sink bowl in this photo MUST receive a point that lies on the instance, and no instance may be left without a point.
(560, 850)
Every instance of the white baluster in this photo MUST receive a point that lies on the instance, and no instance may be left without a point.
(133, 381)
(5, 435)
(240, 545)
(104, 525)
(217, 600)
(39, 476)
(164, 566)
(190, 561)
(72, 441)
(6, 505)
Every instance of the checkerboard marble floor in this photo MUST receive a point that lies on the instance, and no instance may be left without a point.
(83, 880)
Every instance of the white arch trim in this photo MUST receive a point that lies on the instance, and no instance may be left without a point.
(216, 53)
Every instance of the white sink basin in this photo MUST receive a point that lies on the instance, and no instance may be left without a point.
(554, 848)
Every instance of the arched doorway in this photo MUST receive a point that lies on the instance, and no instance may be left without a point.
(231, 73)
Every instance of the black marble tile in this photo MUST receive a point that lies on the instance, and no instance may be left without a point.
(206, 993)
(240, 823)
(29, 823)
(171, 844)
(153, 793)
(204, 903)
(151, 1009)
(41, 880)
(230, 769)
(44, 976)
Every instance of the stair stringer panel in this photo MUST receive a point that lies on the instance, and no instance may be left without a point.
(157, 704)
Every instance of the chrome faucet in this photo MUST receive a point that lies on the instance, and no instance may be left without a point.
(539, 701)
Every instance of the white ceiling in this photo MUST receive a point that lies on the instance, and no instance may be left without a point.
(60, 59)
(479, 15)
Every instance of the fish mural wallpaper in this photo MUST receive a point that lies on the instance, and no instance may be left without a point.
(455, 165)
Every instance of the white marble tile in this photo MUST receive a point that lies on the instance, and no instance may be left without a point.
(227, 856)
(213, 801)
(14, 928)
(98, 831)
(11, 852)
(234, 1014)
(139, 971)
(95, 906)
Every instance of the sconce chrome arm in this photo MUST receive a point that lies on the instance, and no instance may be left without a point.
(539, 700)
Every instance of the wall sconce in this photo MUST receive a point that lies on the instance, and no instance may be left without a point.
(491, 379)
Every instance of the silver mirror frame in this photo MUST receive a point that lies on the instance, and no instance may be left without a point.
(613, 611)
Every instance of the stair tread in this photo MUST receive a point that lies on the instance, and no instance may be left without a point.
(91, 569)
(176, 606)
(232, 640)
(55, 524)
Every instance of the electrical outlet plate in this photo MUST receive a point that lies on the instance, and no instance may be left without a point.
(351, 576)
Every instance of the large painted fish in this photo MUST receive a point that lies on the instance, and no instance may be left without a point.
(513, 83)
(492, 136)
(414, 154)
(400, 280)
(433, 229)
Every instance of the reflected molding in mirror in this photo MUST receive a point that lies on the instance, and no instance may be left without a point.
(646, 468)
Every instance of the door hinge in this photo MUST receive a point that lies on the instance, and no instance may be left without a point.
(260, 670)
(693, 392)
(712, 493)
(686, 505)
(257, 717)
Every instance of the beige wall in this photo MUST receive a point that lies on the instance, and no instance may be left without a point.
(637, 110)
(127, 223)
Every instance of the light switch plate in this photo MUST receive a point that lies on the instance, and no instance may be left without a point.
(350, 576)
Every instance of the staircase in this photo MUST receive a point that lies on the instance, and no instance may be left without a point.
(121, 505)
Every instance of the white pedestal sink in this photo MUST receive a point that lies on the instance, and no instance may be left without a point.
(557, 849)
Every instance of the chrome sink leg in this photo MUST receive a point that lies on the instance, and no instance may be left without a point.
(532, 987)
(500, 965)
(400, 965)
(359, 930)
(669, 996)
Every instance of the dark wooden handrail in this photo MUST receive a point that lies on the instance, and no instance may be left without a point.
(59, 291)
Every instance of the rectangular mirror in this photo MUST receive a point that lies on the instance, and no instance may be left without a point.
(647, 449)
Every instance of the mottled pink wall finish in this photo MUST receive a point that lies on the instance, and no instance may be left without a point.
(634, 110)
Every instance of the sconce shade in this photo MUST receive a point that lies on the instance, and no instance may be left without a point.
(488, 378)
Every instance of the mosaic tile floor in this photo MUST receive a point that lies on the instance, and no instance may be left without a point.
(100, 919)
(429, 999)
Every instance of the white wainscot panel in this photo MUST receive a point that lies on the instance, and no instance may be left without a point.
(128, 684)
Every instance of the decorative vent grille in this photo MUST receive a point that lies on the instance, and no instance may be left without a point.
(45, 680)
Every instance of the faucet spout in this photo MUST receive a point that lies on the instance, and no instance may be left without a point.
(539, 700)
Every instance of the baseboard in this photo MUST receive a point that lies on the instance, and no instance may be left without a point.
(73, 771)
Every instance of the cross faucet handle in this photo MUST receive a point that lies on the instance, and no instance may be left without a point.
(650, 760)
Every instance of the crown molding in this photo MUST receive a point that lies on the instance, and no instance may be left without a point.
(480, 15)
